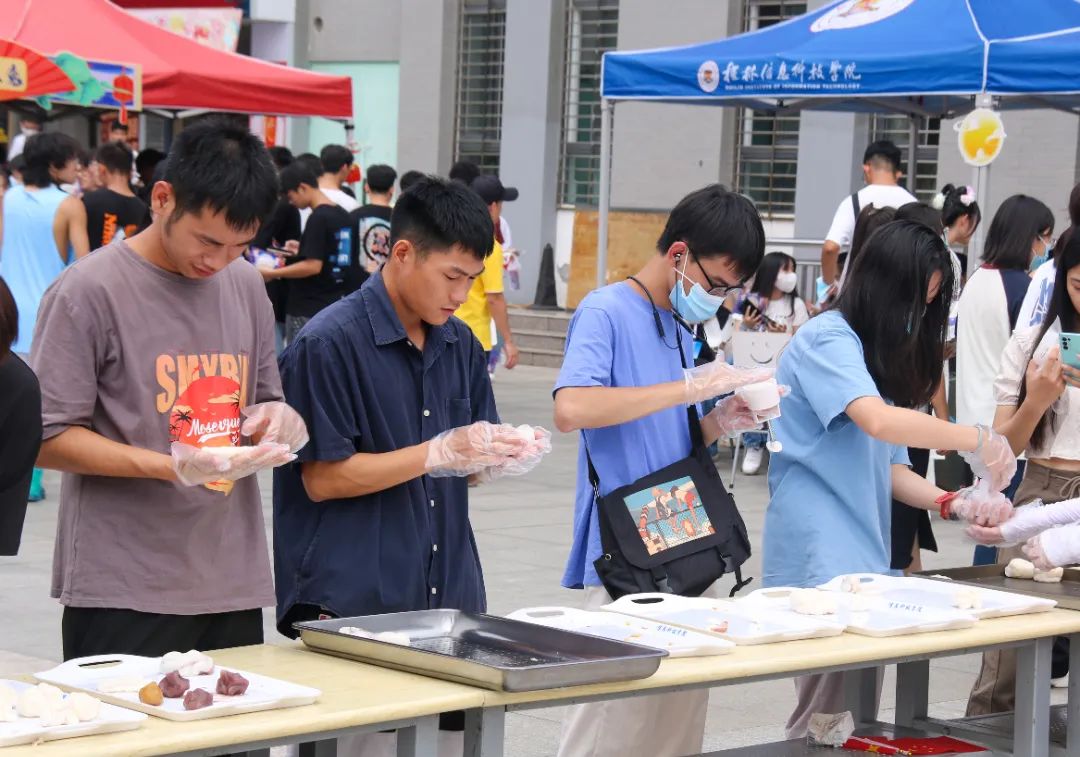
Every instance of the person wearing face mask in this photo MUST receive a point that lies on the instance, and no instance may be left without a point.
(857, 373)
(1044, 271)
(773, 305)
(628, 384)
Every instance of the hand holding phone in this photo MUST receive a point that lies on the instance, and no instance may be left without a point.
(1070, 356)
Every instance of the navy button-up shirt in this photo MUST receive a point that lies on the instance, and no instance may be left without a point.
(362, 386)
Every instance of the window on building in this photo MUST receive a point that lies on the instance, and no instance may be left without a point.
(481, 42)
(766, 145)
(592, 28)
(923, 182)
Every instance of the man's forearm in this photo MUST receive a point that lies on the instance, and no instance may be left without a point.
(80, 450)
(497, 306)
(830, 253)
(363, 473)
(578, 407)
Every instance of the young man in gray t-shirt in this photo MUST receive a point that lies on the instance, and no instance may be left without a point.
(152, 352)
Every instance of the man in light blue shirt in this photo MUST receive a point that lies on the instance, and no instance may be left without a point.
(622, 385)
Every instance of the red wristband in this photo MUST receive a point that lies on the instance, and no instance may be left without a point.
(945, 503)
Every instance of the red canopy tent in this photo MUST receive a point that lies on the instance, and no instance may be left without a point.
(177, 73)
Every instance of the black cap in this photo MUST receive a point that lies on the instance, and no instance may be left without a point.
(492, 190)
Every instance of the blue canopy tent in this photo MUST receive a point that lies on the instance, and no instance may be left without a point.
(922, 58)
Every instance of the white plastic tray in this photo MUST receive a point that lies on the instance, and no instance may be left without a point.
(921, 594)
(30, 731)
(677, 642)
(746, 624)
(264, 693)
(870, 615)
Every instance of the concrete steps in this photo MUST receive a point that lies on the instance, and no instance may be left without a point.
(540, 335)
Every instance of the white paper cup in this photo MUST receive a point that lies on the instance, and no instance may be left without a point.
(762, 396)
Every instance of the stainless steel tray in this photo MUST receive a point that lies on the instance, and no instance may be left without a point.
(484, 650)
(1066, 593)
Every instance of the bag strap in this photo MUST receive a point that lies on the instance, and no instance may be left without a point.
(855, 206)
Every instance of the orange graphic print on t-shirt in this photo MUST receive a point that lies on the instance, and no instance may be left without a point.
(202, 395)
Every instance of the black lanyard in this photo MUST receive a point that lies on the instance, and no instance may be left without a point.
(660, 324)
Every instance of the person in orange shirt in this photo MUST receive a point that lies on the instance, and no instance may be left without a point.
(486, 301)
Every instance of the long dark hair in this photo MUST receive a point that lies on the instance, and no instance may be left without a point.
(1016, 225)
(9, 319)
(765, 278)
(870, 220)
(884, 302)
(1061, 307)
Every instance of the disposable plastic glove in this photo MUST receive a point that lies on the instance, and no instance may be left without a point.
(704, 382)
(199, 465)
(993, 461)
(733, 415)
(976, 504)
(277, 422)
(1029, 521)
(1054, 548)
(466, 450)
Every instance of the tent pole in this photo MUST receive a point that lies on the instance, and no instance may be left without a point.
(912, 154)
(981, 183)
(606, 108)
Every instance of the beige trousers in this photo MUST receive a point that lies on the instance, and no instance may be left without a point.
(661, 725)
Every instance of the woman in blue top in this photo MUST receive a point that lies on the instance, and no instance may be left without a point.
(855, 372)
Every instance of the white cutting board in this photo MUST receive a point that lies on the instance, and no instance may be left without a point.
(922, 594)
(745, 625)
(676, 641)
(30, 731)
(870, 615)
(264, 693)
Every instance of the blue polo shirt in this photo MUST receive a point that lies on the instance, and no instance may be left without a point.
(361, 386)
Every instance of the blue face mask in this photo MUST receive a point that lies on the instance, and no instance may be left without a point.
(1038, 260)
(696, 307)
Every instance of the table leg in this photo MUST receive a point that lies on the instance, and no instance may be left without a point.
(484, 732)
(324, 748)
(1073, 707)
(912, 692)
(1031, 733)
(420, 740)
(861, 694)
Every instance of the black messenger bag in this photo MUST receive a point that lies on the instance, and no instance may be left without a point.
(675, 531)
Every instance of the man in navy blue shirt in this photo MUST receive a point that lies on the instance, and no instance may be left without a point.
(373, 516)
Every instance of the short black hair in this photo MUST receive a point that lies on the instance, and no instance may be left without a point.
(115, 156)
(409, 178)
(146, 161)
(220, 165)
(335, 157)
(311, 160)
(296, 173)
(714, 222)
(9, 319)
(33, 116)
(44, 151)
(1016, 225)
(883, 150)
(282, 156)
(117, 126)
(438, 214)
(464, 171)
(380, 178)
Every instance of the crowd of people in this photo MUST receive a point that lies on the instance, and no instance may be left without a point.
(168, 334)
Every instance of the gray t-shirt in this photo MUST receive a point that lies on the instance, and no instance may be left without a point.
(146, 357)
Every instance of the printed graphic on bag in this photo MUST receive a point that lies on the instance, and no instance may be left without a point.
(669, 514)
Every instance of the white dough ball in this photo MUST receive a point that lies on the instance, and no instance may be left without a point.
(1020, 568)
(812, 602)
(172, 661)
(54, 697)
(1049, 576)
(967, 599)
(84, 706)
(32, 703)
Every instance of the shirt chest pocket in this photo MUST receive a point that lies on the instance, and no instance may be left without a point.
(458, 412)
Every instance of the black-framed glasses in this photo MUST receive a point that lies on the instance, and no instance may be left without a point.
(720, 290)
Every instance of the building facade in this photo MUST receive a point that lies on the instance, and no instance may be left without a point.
(514, 86)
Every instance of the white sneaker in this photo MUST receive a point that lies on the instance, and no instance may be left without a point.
(1060, 683)
(751, 462)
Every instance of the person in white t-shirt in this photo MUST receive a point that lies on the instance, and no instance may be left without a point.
(336, 162)
(881, 170)
(1037, 302)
